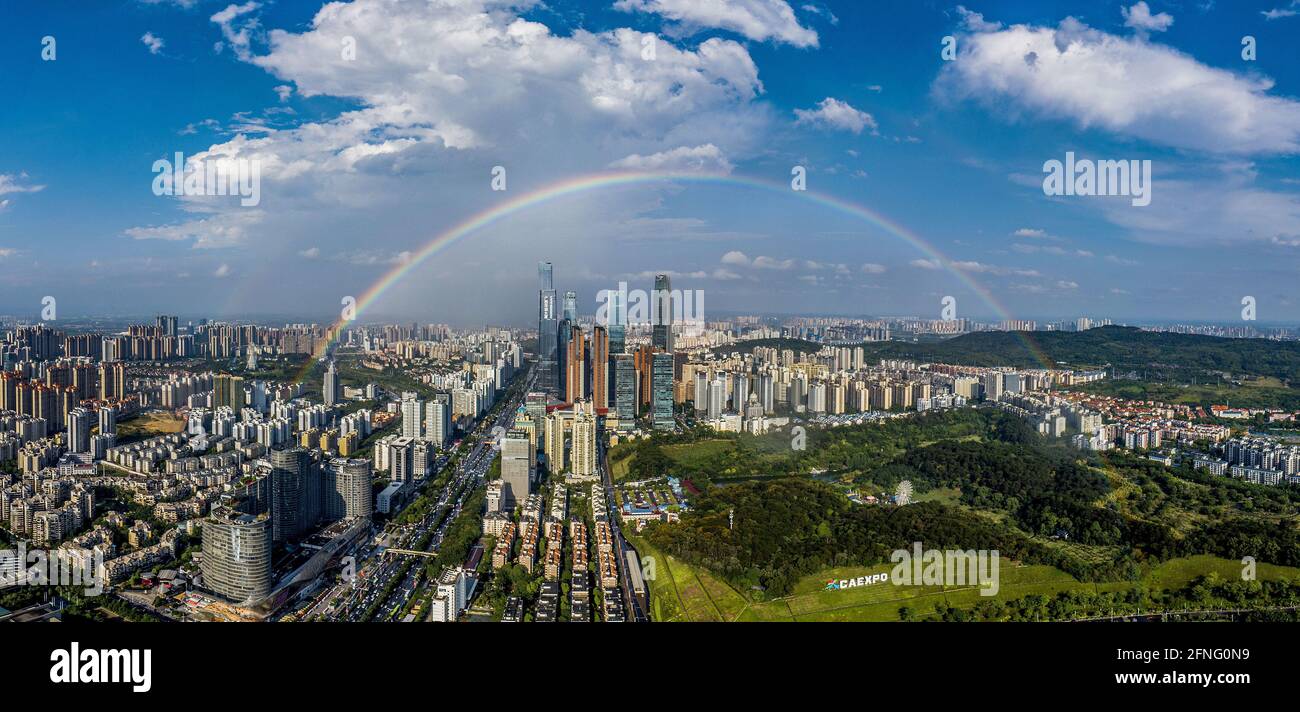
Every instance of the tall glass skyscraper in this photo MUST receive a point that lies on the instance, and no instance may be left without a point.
(661, 391)
(625, 391)
(571, 306)
(661, 335)
(548, 380)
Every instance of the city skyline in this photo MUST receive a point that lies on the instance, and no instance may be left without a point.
(924, 176)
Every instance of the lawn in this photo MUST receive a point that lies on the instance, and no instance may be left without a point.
(681, 592)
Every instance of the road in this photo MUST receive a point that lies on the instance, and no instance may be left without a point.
(384, 585)
(630, 602)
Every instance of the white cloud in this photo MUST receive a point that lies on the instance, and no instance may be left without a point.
(756, 19)
(1278, 13)
(736, 257)
(975, 22)
(11, 183)
(220, 230)
(153, 42)
(927, 264)
(222, 271)
(694, 159)
(310, 253)
(1126, 85)
(443, 90)
(765, 262)
(284, 91)
(1030, 232)
(1139, 17)
(873, 268)
(836, 114)
(237, 27)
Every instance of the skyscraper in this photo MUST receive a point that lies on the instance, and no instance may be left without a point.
(661, 300)
(237, 555)
(625, 391)
(330, 388)
(599, 367)
(517, 462)
(661, 391)
(584, 440)
(412, 415)
(575, 363)
(79, 420)
(291, 507)
(548, 379)
(348, 489)
(437, 420)
(571, 306)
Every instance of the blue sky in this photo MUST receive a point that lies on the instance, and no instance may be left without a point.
(363, 160)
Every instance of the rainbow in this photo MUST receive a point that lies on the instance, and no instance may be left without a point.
(597, 181)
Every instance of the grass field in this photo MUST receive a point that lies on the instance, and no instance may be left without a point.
(681, 592)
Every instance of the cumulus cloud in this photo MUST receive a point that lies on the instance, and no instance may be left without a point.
(1126, 85)
(693, 159)
(836, 114)
(1139, 17)
(153, 42)
(735, 257)
(873, 268)
(442, 90)
(759, 20)
(765, 262)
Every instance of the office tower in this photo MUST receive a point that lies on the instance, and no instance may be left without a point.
(401, 459)
(617, 322)
(575, 363)
(107, 421)
(571, 306)
(625, 391)
(644, 359)
(437, 420)
(412, 415)
(291, 506)
(79, 430)
(517, 463)
(661, 391)
(535, 406)
(584, 441)
(562, 339)
(237, 555)
(349, 489)
(600, 367)
(548, 379)
(661, 334)
(330, 393)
